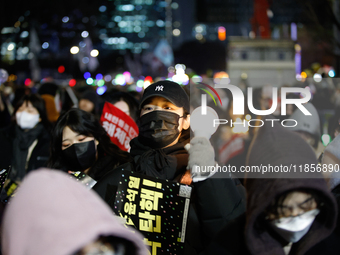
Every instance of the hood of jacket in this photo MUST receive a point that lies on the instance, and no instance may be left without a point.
(53, 214)
(278, 145)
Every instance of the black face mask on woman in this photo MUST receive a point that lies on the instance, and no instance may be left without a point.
(80, 156)
(158, 129)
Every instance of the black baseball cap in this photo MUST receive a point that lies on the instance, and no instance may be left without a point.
(170, 90)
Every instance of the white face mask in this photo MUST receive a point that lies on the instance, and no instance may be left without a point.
(292, 229)
(27, 120)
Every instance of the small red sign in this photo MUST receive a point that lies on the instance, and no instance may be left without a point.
(119, 126)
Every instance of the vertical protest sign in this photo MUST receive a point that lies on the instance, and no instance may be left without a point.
(119, 126)
(157, 208)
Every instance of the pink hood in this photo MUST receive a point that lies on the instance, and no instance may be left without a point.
(53, 214)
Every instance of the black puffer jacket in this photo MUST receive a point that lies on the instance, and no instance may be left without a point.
(214, 201)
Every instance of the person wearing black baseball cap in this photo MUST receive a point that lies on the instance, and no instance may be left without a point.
(159, 151)
(164, 115)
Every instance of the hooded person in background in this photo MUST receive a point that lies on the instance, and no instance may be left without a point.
(52, 214)
(159, 151)
(49, 92)
(284, 215)
(125, 102)
(331, 161)
(89, 102)
(308, 127)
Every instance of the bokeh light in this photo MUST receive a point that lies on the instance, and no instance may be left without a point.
(74, 50)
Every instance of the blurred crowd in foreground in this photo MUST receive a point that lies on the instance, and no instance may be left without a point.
(50, 133)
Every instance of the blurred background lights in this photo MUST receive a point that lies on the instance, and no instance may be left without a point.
(127, 76)
(331, 73)
(82, 44)
(10, 46)
(244, 76)
(221, 33)
(87, 75)
(99, 76)
(139, 89)
(107, 78)
(120, 79)
(297, 47)
(148, 78)
(199, 29)
(74, 50)
(196, 78)
(84, 34)
(24, 34)
(101, 90)
(100, 82)
(298, 77)
(61, 69)
(72, 82)
(45, 45)
(146, 84)
(176, 32)
(89, 81)
(27, 82)
(65, 19)
(25, 50)
(140, 83)
(102, 8)
(326, 139)
(94, 53)
(317, 77)
(199, 36)
(85, 60)
(174, 5)
(160, 23)
(303, 75)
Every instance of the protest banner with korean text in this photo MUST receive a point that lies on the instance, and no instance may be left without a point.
(119, 126)
(157, 208)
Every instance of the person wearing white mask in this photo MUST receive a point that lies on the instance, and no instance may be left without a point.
(287, 212)
(25, 143)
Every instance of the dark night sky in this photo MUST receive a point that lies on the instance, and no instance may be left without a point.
(11, 10)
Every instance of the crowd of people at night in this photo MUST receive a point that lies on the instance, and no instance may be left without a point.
(47, 139)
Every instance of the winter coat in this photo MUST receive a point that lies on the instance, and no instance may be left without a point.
(53, 214)
(330, 245)
(40, 153)
(251, 233)
(214, 202)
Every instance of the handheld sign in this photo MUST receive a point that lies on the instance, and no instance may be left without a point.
(157, 208)
(119, 126)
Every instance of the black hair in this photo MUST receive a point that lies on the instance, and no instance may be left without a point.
(86, 124)
(38, 103)
(122, 245)
(275, 206)
(128, 99)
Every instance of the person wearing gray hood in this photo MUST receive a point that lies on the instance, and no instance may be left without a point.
(308, 127)
(53, 214)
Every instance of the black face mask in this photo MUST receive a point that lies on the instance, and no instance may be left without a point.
(80, 156)
(158, 129)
